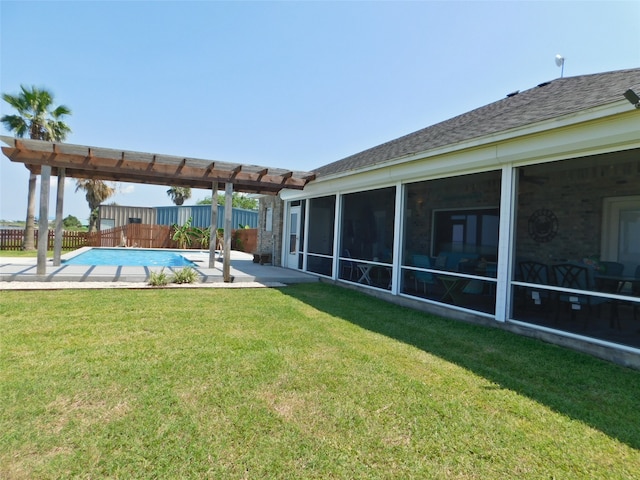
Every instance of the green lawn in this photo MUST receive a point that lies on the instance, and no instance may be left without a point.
(23, 253)
(307, 381)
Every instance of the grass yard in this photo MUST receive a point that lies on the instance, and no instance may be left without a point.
(307, 381)
(24, 253)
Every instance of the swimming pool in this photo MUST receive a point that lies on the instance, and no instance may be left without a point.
(130, 257)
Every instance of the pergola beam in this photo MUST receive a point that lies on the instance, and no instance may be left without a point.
(185, 173)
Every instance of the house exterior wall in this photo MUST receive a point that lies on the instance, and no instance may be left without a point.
(201, 216)
(570, 165)
(111, 216)
(117, 216)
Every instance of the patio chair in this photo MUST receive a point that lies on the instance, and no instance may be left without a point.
(577, 277)
(348, 266)
(613, 269)
(424, 278)
(535, 272)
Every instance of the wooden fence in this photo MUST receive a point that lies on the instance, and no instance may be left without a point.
(12, 239)
(131, 235)
(245, 240)
(134, 235)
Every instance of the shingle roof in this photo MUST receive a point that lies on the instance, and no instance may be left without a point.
(548, 100)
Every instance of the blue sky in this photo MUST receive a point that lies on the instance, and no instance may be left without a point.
(294, 84)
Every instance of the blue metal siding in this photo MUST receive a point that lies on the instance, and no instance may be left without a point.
(166, 215)
(201, 216)
(242, 217)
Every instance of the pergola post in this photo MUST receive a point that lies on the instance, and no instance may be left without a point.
(43, 220)
(213, 237)
(228, 210)
(57, 243)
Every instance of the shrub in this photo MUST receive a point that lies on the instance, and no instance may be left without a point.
(203, 235)
(158, 279)
(184, 235)
(185, 275)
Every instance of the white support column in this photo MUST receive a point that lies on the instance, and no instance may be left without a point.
(336, 237)
(213, 228)
(57, 244)
(286, 207)
(305, 233)
(508, 199)
(397, 240)
(228, 210)
(43, 220)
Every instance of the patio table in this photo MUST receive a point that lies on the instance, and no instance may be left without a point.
(365, 270)
(453, 287)
(618, 280)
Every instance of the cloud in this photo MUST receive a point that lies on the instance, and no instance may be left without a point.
(126, 189)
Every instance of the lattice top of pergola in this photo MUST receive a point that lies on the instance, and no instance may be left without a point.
(80, 161)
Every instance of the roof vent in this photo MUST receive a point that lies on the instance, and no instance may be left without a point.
(633, 98)
(543, 84)
(513, 94)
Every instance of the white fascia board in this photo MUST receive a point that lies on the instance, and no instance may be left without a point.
(599, 130)
(590, 138)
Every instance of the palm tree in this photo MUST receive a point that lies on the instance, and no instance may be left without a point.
(42, 122)
(97, 192)
(179, 194)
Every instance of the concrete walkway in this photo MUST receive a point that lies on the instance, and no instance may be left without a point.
(20, 273)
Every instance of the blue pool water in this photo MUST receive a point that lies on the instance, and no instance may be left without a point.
(130, 257)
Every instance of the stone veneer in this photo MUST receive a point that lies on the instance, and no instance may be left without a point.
(271, 241)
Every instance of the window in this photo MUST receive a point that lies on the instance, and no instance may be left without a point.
(268, 223)
(107, 223)
(469, 231)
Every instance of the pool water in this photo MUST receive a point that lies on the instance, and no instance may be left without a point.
(130, 257)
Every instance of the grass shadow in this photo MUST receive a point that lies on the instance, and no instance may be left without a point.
(600, 394)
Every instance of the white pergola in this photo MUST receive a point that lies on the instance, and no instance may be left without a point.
(80, 161)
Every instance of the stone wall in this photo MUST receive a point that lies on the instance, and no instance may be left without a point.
(271, 241)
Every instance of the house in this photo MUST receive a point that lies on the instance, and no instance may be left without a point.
(111, 216)
(523, 214)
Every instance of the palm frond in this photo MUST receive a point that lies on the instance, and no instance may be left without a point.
(16, 124)
(34, 107)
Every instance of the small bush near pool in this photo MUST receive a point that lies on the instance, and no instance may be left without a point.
(185, 275)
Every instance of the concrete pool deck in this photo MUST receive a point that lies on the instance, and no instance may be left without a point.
(19, 273)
